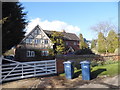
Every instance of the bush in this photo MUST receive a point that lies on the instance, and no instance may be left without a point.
(51, 52)
(93, 63)
(84, 51)
(110, 62)
(117, 51)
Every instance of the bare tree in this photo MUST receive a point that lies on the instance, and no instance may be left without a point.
(104, 27)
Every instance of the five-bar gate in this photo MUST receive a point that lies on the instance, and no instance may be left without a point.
(17, 70)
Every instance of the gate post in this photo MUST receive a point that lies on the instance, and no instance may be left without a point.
(22, 71)
(1, 57)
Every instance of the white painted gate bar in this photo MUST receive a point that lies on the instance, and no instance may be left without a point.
(17, 70)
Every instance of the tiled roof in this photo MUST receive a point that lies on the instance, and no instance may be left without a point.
(66, 36)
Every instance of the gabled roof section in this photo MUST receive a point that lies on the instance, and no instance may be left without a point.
(66, 36)
(31, 32)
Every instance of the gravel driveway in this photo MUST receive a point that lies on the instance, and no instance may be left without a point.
(62, 82)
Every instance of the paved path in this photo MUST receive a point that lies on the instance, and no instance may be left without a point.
(109, 82)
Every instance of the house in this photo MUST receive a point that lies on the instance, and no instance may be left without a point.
(38, 39)
(88, 42)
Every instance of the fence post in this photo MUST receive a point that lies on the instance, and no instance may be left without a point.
(34, 69)
(1, 57)
(55, 65)
(46, 66)
(22, 71)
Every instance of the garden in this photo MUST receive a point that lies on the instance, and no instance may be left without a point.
(99, 68)
(100, 72)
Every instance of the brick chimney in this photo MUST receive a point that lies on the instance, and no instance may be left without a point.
(63, 31)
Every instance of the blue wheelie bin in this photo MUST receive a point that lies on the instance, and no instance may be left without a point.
(69, 69)
(85, 66)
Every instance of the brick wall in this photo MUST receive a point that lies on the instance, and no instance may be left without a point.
(60, 66)
(78, 58)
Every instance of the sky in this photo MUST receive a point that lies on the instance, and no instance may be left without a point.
(73, 17)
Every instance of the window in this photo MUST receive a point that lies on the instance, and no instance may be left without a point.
(27, 41)
(37, 41)
(30, 54)
(46, 41)
(39, 31)
(36, 32)
(75, 43)
(44, 53)
(30, 40)
(66, 43)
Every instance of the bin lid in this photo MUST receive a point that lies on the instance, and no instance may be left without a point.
(85, 62)
(68, 62)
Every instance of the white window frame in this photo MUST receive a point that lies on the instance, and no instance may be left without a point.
(66, 43)
(75, 43)
(36, 32)
(45, 53)
(30, 54)
(46, 40)
(37, 41)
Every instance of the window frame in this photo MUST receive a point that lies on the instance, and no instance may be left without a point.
(30, 53)
(45, 53)
(66, 43)
(75, 43)
(46, 40)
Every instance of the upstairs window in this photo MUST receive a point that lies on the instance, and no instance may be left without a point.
(37, 41)
(31, 40)
(75, 43)
(30, 54)
(28, 41)
(39, 31)
(46, 41)
(66, 43)
(36, 32)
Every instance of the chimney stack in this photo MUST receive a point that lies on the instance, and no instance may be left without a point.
(63, 31)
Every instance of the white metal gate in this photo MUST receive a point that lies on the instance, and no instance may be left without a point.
(17, 70)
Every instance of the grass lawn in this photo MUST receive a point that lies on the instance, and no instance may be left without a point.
(109, 70)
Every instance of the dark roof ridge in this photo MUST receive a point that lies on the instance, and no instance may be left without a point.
(67, 36)
(58, 31)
